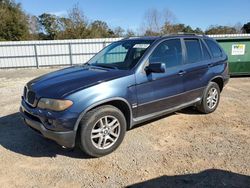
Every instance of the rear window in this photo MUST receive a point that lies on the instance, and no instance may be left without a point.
(194, 53)
(214, 48)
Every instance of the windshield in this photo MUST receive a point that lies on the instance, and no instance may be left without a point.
(121, 55)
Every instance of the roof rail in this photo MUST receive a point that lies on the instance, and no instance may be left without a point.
(130, 37)
(182, 33)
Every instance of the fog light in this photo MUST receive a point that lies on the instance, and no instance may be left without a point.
(50, 121)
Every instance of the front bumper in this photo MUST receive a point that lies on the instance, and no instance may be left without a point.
(63, 138)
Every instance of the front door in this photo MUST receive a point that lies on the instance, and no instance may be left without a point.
(160, 91)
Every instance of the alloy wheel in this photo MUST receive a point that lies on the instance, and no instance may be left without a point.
(212, 98)
(105, 132)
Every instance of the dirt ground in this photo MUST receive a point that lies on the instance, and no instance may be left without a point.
(183, 149)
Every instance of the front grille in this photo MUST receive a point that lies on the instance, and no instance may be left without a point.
(25, 92)
(29, 96)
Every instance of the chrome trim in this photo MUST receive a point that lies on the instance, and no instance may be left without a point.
(134, 105)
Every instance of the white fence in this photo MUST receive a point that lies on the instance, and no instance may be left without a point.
(50, 53)
(59, 52)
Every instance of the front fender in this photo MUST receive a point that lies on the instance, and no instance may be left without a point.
(122, 89)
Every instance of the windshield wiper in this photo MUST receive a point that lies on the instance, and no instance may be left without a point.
(86, 64)
(105, 66)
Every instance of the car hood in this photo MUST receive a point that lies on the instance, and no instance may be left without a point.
(61, 83)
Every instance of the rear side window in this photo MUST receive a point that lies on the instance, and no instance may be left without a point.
(194, 53)
(168, 52)
(206, 55)
(214, 48)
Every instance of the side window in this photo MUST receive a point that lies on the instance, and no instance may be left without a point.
(214, 48)
(206, 55)
(193, 50)
(168, 52)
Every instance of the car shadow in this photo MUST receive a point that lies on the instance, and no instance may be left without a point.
(208, 178)
(18, 137)
(190, 111)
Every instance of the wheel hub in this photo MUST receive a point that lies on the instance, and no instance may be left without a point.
(105, 131)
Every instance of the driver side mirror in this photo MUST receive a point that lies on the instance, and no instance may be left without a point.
(155, 68)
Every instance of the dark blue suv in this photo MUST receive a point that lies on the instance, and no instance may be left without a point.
(128, 82)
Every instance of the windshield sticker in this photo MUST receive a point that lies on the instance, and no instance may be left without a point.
(144, 46)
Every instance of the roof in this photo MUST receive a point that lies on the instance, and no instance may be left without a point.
(217, 37)
(165, 36)
(142, 38)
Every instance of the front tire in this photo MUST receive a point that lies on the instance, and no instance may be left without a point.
(210, 99)
(102, 130)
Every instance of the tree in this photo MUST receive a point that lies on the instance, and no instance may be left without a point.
(78, 23)
(75, 26)
(13, 21)
(246, 28)
(198, 30)
(218, 29)
(99, 29)
(177, 28)
(34, 27)
(238, 26)
(118, 32)
(168, 28)
(49, 24)
(154, 20)
(130, 33)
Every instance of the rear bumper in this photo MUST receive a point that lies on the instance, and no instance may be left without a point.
(66, 139)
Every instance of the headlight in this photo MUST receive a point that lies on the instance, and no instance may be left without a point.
(54, 104)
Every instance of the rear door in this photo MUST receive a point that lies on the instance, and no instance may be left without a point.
(160, 91)
(196, 68)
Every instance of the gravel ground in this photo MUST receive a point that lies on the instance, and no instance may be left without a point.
(183, 149)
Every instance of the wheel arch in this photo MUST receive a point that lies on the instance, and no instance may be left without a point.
(218, 80)
(120, 103)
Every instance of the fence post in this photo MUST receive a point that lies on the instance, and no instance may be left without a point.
(104, 44)
(70, 55)
(36, 57)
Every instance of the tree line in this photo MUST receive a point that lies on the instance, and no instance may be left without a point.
(164, 22)
(16, 25)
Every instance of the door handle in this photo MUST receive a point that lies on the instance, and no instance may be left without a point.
(181, 72)
(209, 64)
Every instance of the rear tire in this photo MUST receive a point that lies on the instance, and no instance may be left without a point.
(210, 99)
(102, 130)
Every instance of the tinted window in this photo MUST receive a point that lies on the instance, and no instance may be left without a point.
(193, 50)
(214, 48)
(206, 55)
(168, 52)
